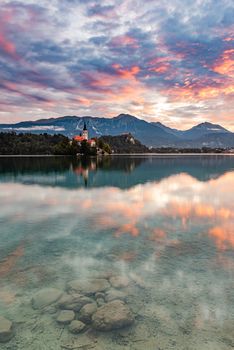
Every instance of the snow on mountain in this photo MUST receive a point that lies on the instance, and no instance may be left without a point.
(153, 134)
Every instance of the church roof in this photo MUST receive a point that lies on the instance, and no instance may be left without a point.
(79, 138)
(91, 141)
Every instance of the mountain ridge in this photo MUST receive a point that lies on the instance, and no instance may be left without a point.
(151, 134)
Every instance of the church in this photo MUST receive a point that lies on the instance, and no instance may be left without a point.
(84, 136)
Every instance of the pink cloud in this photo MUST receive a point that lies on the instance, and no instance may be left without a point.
(7, 47)
(124, 40)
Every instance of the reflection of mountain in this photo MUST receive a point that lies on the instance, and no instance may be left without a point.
(122, 172)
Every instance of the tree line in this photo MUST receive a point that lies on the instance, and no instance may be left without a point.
(12, 143)
(46, 144)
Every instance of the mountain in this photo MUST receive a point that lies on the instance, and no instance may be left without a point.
(211, 140)
(175, 132)
(71, 125)
(149, 134)
(195, 132)
(125, 143)
(204, 129)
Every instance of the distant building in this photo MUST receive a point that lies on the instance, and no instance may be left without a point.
(84, 136)
(92, 142)
(85, 132)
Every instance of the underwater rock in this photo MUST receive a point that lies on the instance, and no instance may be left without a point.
(114, 294)
(51, 309)
(138, 280)
(6, 330)
(65, 316)
(73, 301)
(89, 286)
(76, 327)
(45, 297)
(113, 315)
(99, 295)
(100, 301)
(119, 282)
(86, 312)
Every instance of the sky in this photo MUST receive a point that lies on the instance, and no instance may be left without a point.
(170, 60)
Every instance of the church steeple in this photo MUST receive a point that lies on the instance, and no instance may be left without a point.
(85, 133)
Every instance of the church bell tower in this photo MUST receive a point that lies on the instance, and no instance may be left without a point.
(85, 132)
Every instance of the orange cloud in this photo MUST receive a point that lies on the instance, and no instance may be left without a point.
(228, 39)
(126, 73)
(160, 69)
(83, 101)
(160, 65)
(197, 92)
(225, 64)
(110, 83)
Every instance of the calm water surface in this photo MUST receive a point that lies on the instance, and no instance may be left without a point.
(165, 224)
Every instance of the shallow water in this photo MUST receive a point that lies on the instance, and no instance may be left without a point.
(164, 223)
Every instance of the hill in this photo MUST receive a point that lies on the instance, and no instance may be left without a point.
(27, 144)
(148, 133)
(124, 144)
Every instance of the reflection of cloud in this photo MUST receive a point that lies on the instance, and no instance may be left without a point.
(137, 233)
(10, 261)
(187, 211)
(128, 228)
(223, 236)
(179, 201)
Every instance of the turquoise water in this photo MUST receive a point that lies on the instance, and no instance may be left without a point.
(164, 224)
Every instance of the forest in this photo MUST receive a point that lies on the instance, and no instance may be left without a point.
(42, 144)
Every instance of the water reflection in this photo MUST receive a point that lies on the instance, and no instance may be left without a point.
(122, 172)
(169, 232)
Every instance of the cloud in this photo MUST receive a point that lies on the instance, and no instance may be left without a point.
(225, 64)
(175, 55)
(106, 11)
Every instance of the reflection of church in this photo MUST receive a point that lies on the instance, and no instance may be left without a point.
(83, 167)
(84, 136)
(86, 168)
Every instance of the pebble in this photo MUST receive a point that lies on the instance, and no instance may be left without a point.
(45, 297)
(65, 316)
(119, 281)
(6, 329)
(86, 312)
(113, 315)
(89, 286)
(73, 301)
(76, 327)
(114, 294)
(99, 295)
(100, 301)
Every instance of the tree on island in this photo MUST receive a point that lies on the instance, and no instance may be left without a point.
(105, 147)
(86, 149)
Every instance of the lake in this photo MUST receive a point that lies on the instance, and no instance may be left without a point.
(156, 232)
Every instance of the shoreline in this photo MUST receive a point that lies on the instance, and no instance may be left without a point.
(172, 154)
(115, 155)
